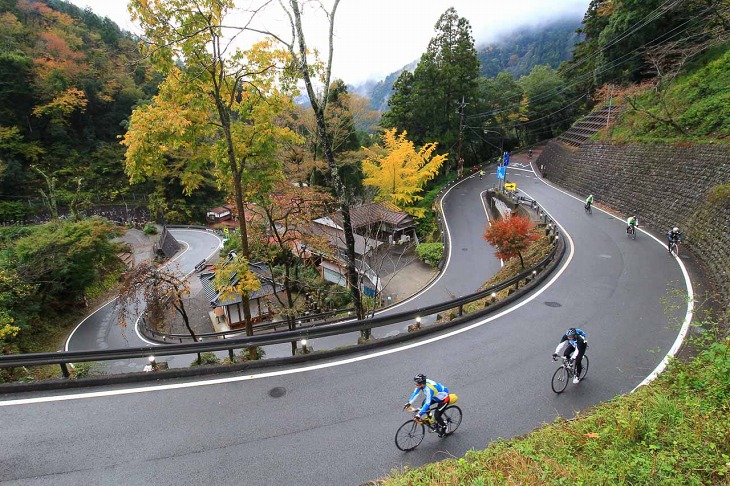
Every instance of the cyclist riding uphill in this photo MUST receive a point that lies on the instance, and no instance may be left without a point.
(673, 236)
(632, 221)
(573, 345)
(589, 201)
(433, 393)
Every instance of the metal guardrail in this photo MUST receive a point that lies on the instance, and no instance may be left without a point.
(302, 321)
(312, 332)
(63, 358)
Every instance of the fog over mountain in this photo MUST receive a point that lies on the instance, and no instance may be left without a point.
(518, 52)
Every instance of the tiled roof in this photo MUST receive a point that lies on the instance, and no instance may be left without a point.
(376, 212)
(336, 236)
(268, 286)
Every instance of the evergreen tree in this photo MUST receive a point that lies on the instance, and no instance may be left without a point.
(426, 103)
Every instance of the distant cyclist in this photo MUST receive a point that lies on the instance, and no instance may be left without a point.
(481, 174)
(589, 202)
(433, 393)
(573, 345)
(632, 222)
(673, 236)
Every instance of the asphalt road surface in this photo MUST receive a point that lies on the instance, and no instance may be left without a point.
(333, 422)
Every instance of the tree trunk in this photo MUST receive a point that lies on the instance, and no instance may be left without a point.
(319, 113)
(238, 192)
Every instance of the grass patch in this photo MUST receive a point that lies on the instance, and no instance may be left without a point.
(698, 101)
(673, 431)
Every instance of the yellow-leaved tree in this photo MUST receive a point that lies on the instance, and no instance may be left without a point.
(399, 171)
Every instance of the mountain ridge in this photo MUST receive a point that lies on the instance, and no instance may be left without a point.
(516, 52)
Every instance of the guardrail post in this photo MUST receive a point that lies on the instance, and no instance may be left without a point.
(231, 356)
(64, 370)
(461, 310)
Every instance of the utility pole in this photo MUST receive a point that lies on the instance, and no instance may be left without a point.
(460, 169)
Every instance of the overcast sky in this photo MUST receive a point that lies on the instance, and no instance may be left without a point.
(373, 38)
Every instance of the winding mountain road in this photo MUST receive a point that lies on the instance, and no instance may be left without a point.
(333, 422)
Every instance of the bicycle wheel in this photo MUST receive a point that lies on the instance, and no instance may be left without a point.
(584, 364)
(675, 249)
(560, 379)
(409, 435)
(452, 417)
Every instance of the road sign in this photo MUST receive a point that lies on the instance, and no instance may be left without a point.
(510, 186)
(500, 172)
(505, 159)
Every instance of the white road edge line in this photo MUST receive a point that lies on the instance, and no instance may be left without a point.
(127, 391)
(187, 247)
(690, 298)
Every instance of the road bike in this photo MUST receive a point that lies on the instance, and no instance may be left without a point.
(566, 372)
(631, 231)
(411, 434)
(588, 209)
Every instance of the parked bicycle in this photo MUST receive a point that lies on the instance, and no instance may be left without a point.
(411, 434)
(566, 372)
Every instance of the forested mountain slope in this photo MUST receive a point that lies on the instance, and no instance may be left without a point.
(68, 82)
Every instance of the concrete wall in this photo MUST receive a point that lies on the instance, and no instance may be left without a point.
(668, 185)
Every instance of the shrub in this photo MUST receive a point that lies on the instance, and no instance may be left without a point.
(150, 229)
(206, 359)
(430, 253)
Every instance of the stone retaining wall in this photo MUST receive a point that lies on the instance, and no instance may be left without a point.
(668, 185)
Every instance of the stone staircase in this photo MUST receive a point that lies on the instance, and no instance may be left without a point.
(583, 129)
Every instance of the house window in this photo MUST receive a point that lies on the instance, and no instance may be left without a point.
(335, 277)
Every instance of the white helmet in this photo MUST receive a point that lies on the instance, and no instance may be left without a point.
(675, 230)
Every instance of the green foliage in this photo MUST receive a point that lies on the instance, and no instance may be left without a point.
(208, 358)
(719, 195)
(430, 253)
(258, 353)
(65, 90)
(427, 226)
(50, 268)
(426, 103)
(673, 431)
(150, 229)
(65, 258)
(14, 211)
(517, 54)
(87, 368)
(698, 101)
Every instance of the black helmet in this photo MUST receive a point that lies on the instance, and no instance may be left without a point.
(570, 332)
(420, 379)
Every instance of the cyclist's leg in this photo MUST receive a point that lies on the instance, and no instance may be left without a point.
(438, 411)
(578, 359)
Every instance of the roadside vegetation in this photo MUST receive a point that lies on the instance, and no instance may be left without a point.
(692, 107)
(673, 431)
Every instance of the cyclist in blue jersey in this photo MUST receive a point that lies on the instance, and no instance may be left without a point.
(433, 393)
(573, 345)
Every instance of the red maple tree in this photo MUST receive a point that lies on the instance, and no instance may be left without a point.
(511, 236)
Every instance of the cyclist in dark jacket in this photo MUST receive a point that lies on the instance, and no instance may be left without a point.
(573, 345)
(674, 235)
